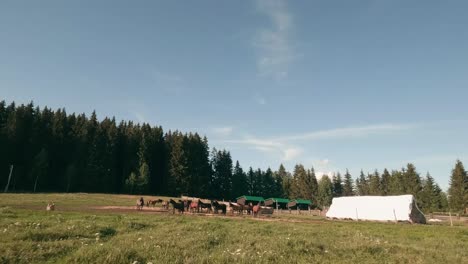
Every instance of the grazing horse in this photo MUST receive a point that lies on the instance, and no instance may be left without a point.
(202, 205)
(175, 205)
(187, 204)
(153, 202)
(217, 206)
(193, 206)
(256, 209)
(248, 208)
(237, 208)
(165, 205)
(140, 203)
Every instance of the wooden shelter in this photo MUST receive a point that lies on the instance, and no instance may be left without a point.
(300, 204)
(277, 203)
(246, 199)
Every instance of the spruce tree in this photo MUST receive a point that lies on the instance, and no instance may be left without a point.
(325, 191)
(412, 181)
(239, 182)
(458, 190)
(385, 182)
(362, 185)
(374, 183)
(337, 185)
(348, 189)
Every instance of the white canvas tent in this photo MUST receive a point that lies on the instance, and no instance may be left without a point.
(377, 208)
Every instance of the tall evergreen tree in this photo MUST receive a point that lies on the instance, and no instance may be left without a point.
(348, 189)
(412, 181)
(458, 190)
(362, 185)
(337, 185)
(239, 182)
(374, 183)
(325, 191)
(385, 182)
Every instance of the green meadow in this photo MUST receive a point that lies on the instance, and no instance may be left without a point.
(78, 231)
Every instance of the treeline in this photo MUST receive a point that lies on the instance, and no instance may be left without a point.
(53, 151)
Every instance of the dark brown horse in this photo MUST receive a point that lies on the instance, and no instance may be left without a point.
(202, 205)
(175, 205)
(217, 206)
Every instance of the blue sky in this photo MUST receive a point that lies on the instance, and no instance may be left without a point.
(330, 84)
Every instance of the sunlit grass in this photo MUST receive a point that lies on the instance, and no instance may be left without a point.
(87, 236)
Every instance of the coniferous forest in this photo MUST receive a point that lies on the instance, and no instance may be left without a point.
(52, 151)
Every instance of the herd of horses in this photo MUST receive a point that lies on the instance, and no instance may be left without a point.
(198, 206)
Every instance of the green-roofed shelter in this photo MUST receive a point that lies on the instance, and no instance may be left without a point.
(246, 199)
(300, 204)
(277, 203)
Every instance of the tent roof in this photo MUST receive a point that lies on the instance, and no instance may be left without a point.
(251, 198)
(279, 200)
(302, 201)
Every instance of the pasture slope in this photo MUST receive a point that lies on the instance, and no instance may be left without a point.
(78, 232)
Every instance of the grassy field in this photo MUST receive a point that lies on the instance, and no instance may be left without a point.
(77, 232)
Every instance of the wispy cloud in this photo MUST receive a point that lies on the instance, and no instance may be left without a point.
(288, 149)
(348, 132)
(292, 153)
(223, 131)
(274, 50)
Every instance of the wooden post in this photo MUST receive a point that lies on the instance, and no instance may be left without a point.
(394, 214)
(9, 178)
(450, 214)
(357, 217)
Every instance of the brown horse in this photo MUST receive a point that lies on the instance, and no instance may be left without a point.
(237, 208)
(193, 206)
(202, 205)
(256, 209)
(165, 205)
(175, 205)
(153, 202)
(217, 206)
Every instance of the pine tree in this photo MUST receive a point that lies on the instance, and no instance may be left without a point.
(337, 185)
(396, 186)
(239, 182)
(374, 183)
(362, 185)
(348, 189)
(279, 181)
(458, 190)
(385, 183)
(325, 191)
(268, 184)
(251, 181)
(222, 175)
(412, 181)
(286, 180)
(178, 177)
(428, 195)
